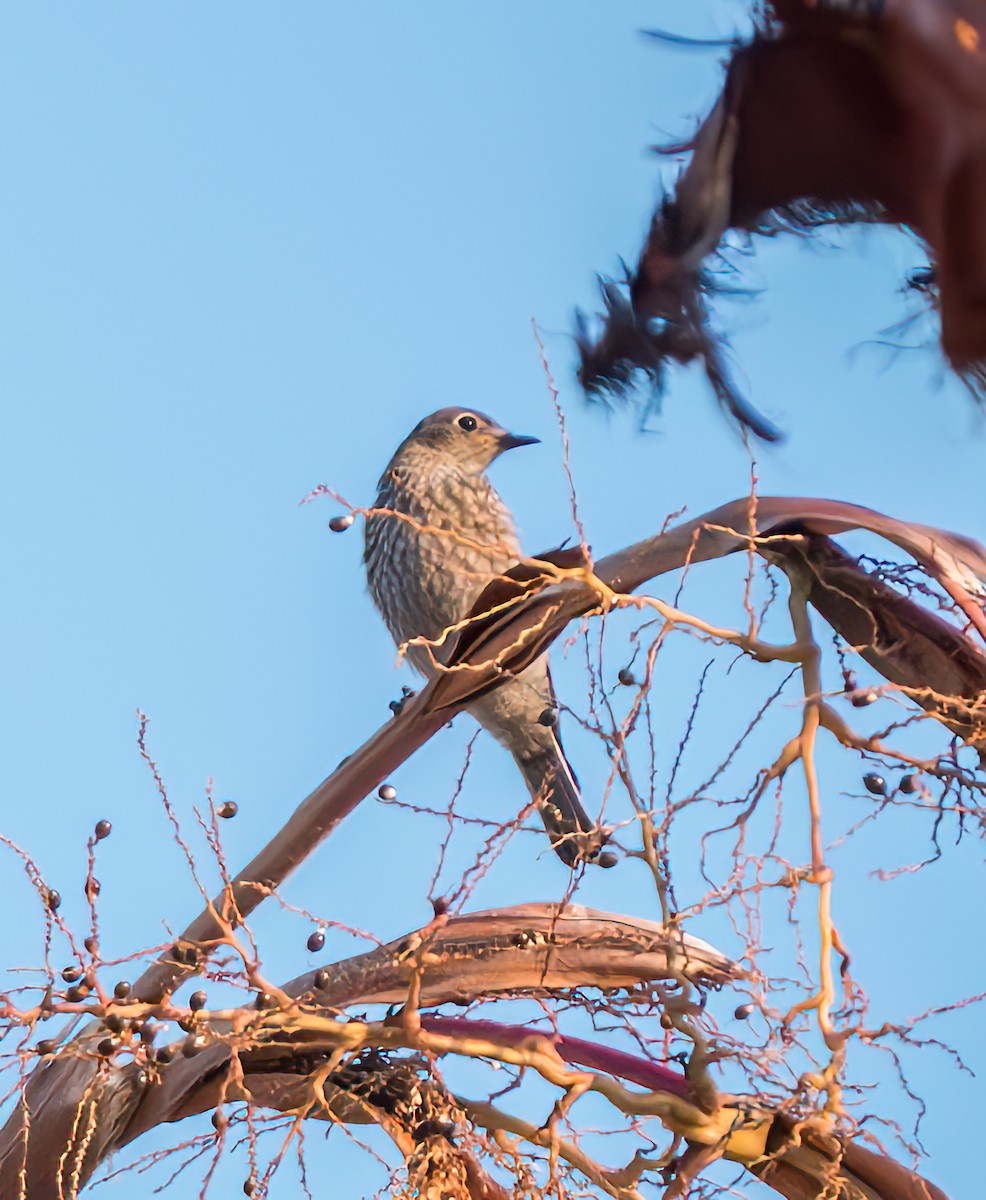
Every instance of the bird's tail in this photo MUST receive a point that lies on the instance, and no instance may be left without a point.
(575, 837)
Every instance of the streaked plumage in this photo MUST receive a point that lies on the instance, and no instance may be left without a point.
(445, 534)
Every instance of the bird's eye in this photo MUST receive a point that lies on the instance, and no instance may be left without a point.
(468, 422)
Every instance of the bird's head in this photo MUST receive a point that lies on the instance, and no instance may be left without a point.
(460, 436)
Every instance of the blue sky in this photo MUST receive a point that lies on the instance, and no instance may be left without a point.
(243, 251)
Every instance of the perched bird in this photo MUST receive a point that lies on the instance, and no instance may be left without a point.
(444, 534)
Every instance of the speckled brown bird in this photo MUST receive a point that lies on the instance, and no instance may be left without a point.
(446, 533)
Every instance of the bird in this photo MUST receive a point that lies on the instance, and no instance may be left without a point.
(437, 534)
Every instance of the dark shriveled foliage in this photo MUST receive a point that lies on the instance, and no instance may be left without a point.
(836, 112)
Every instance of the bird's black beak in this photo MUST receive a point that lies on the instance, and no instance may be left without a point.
(510, 441)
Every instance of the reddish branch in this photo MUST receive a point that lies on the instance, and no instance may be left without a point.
(654, 1076)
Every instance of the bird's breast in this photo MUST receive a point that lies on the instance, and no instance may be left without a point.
(431, 550)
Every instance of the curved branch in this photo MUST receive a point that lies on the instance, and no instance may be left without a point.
(489, 648)
(528, 949)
